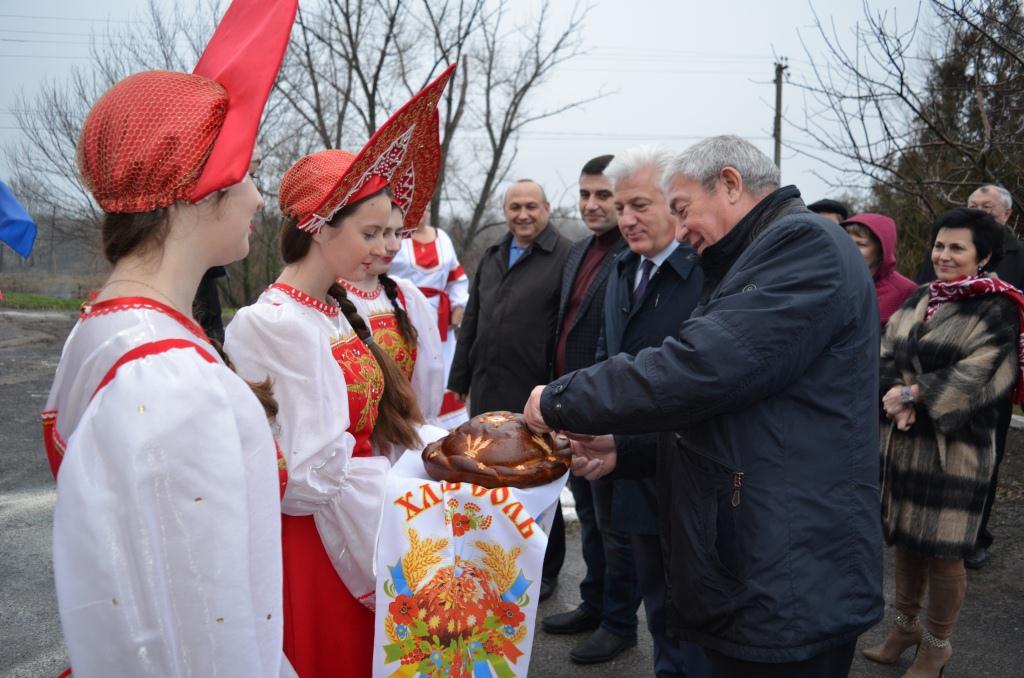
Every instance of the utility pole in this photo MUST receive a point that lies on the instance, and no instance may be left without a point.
(780, 67)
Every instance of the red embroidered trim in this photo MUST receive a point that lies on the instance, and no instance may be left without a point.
(52, 441)
(369, 296)
(91, 310)
(306, 300)
(425, 254)
(456, 274)
(148, 349)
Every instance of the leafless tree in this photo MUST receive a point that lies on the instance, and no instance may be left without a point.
(919, 115)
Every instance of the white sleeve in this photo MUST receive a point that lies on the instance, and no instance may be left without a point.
(161, 525)
(428, 373)
(457, 289)
(345, 495)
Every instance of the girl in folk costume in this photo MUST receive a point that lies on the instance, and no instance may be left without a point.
(335, 385)
(403, 323)
(166, 535)
(429, 261)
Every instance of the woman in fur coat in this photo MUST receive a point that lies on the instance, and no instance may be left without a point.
(948, 356)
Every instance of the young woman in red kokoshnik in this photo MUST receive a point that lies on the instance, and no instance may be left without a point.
(335, 386)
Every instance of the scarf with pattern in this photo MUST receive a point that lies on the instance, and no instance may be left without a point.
(939, 292)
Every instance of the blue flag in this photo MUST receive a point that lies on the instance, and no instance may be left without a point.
(16, 227)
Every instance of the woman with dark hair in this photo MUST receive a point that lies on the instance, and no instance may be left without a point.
(166, 535)
(950, 354)
(403, 323)
(336, 386)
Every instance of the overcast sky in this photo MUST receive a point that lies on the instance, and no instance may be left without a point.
(675, 71)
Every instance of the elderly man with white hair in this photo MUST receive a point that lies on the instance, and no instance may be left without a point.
(767, 401)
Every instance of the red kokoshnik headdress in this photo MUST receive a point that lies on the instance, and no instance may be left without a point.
(158, 137)
(404, 153)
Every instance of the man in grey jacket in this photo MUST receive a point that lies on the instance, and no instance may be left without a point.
(768, 400)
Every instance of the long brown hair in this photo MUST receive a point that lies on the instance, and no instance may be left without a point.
(123, 234)
(398, 412)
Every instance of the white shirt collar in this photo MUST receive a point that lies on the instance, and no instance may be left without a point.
(661, 256)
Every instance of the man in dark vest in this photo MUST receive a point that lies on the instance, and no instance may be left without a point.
(608, 592)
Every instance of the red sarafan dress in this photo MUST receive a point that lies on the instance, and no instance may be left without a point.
(328, 387)
(421, 361)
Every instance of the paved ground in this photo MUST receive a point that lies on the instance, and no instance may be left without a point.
(989, 641)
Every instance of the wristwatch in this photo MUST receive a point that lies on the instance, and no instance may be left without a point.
(906, 395)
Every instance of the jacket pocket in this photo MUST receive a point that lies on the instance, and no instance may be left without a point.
(706, 564)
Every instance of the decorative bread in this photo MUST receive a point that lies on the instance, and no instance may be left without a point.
(496, 449)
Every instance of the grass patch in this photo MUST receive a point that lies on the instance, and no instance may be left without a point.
(39, 302)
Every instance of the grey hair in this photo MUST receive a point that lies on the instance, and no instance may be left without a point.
(1004, 195)
(705, 160)
(634, 159)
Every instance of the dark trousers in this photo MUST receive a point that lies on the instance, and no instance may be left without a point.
(832, 664)
(554, 557)
(1002, 428)
(621, 591)
(592, 585)
(672, 659)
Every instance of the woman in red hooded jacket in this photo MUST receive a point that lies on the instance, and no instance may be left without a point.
(875, 236)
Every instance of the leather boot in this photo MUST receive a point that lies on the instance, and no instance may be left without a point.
(932, 655)
(947, 585)
(905, 632)
(910, 574)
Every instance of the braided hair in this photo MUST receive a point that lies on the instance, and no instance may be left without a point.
(263, 390)
(398, 412)
(401, 317)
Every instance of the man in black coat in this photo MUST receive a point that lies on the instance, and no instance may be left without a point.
(506, 342)
(653, 290)
(768, 472)
(608, 592)
(998, 202)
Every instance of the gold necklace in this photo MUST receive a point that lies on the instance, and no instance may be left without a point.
(147, 285)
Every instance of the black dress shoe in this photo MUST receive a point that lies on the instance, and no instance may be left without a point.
(574, 621)
(547, 587)
(601, 646)
(977, 560)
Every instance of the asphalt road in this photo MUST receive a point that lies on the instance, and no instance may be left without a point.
(989, 641)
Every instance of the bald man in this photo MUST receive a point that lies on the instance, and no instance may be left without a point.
(506, 342)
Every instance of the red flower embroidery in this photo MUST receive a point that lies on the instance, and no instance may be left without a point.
(403, 609)
(509, 613)
(460, 523)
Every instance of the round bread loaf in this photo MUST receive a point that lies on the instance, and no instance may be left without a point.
(496, 449)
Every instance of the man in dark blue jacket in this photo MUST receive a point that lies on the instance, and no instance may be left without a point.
(655, 287)
(768, 471)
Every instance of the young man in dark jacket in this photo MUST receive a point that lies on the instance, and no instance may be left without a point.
(506, 341)
(608, 592)
(768, 473)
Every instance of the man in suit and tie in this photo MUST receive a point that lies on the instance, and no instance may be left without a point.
(609, 593)
(652, 290)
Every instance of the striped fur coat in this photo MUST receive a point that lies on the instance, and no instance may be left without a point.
(935, 477)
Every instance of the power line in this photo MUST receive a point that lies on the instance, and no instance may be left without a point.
(68, 18)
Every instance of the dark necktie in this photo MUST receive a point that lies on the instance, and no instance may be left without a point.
(645, 277)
